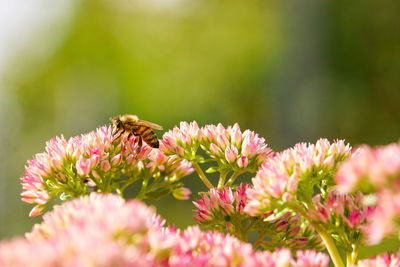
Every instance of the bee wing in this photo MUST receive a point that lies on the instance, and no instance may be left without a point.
(150, 124)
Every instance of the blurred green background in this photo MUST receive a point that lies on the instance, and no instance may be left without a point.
(290, 70)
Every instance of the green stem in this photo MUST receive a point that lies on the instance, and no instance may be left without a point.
(221, 180)
(128, 183)
(202, 175)
(143, 190)
(98, 185)
(326, 238)
(259, 241)
(233, 178)
(352, 256)
(107, 185)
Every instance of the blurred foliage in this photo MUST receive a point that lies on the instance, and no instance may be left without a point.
(293, 71)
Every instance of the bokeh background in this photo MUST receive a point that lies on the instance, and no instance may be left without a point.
(290, 70)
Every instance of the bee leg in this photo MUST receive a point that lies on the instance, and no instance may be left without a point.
(129, 136)
(139, 144)
(117, 135)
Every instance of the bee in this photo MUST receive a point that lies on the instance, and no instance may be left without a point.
(134, 126)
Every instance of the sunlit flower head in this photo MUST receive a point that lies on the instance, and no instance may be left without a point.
(384, 222)
(370, 169)
(94, 230)
(310, 258)
(182, 141)
(228, 146)
(342, 215)
(383, 260)
(92, 162)
(98, 212)
(218, 203)
(224, 206)
(341, 208)
(232, 147)
(278, 178)
(106, 230)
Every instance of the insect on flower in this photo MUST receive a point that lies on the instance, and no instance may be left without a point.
(134, 126)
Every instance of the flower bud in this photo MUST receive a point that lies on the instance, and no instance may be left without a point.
(242, 162)
(116, 160)
(216, 150)
(37, 210)
(105, 166)
(181, 193)
(231, 153)
(83, 166)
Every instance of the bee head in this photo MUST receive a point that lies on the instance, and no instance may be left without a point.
(116, 121)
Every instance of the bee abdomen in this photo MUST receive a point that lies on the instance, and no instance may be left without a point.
(150, 138)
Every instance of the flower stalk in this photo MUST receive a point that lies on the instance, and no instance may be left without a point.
(326, 238)
(202, 176)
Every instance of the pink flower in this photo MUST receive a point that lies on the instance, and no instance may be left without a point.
(278, 177)
(106, 230)
(84, 161)
(383, 260)
(85, 232)
(231, 154)
(181, 193)
(351, 209)
(370, 169)
(221, 207)
(375, 170)
(383, 221)
(242, 162)
(182, 141)
(228, 145)
(219, 203)
(310, 258)
(104, 208)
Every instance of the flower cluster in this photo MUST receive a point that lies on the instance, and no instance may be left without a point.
(370, 169)
(224, 209)
(293, 173)
(342, 215)
(375, 171)
(310, 258)
(383, 260)
(85, 232)
(93, 162)
(215, 206)
(231, 149)
(94, 230)
(299, 198)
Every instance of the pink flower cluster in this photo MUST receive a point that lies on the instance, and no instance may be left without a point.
(104, 230)
(370, 169)
(226, 208)
(182, 141)
(216, 204)
(342, 215)
(383, 260)
(377, 171)
(94, 230)
(344, 208)
(232, 147)
(72, 166)
(228, 146)
(278, 178)
(384, 222)
(307, 258)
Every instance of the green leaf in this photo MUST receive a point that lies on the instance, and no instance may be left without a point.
(212, 169)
